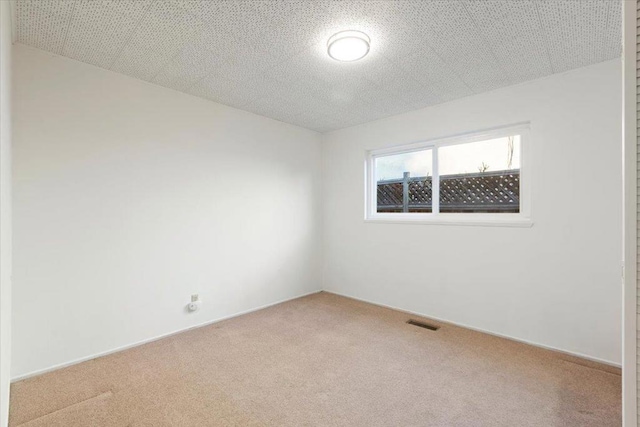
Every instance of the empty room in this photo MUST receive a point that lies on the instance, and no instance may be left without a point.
(319, 213)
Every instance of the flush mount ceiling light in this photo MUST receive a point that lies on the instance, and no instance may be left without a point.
(348, 46)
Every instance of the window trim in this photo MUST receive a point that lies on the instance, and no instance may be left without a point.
(521, 219)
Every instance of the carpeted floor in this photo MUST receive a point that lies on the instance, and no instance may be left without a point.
(324, 360)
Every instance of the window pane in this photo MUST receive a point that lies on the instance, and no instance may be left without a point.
(480, 177)
(404, 182)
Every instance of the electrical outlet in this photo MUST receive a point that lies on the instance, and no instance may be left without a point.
(195, 297)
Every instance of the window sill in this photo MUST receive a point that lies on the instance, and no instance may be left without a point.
(515, 222)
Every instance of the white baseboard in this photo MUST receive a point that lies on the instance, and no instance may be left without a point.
(484, 331)
(209, 322)
(148, 340)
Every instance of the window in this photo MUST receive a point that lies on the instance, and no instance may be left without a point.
(474, 179)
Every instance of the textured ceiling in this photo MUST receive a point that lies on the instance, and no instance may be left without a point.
(269, 57)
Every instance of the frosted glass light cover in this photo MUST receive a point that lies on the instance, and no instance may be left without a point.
(348, 46)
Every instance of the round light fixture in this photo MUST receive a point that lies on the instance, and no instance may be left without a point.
(348, 45)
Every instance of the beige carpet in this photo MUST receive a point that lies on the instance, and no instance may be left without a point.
(324, 360)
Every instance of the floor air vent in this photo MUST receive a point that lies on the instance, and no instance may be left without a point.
(423, 325)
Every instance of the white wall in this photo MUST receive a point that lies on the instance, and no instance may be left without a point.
(631, 225)
(5, 209)
(556, 284)
(130, 197)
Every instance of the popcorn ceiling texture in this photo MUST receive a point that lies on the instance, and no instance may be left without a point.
(269, 57)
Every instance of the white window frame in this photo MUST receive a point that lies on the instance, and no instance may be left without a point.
(521, 219)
